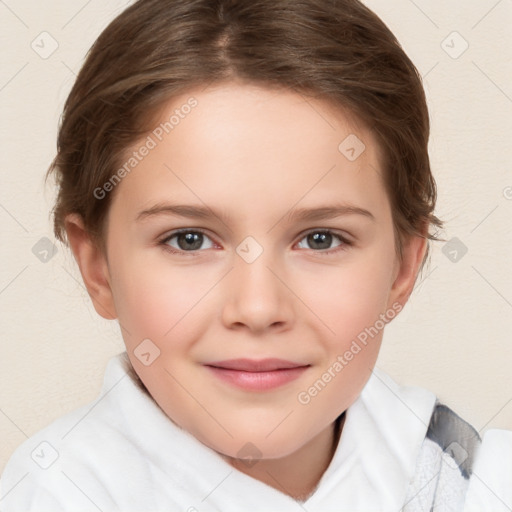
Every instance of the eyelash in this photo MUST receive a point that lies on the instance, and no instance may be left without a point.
(343, 247)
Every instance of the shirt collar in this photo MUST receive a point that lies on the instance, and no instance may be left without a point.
(374, 461)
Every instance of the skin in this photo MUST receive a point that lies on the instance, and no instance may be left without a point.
(255, 155)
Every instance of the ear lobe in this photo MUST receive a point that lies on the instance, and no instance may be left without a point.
(412, 256)
(93, 266)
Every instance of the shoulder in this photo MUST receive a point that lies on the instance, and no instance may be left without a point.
(490, 486)
(451, 462)
(475, 455)
(38, 474)
(78, 455)
(458, 467)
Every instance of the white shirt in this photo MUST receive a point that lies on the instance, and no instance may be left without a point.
(122, 453)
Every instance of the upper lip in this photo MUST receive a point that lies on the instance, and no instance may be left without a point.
(256, 365)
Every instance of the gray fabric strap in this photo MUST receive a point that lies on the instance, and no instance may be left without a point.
(444, 464)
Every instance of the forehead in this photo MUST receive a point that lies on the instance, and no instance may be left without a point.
(254, 150)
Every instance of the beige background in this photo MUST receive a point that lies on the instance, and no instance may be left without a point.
(453, 337)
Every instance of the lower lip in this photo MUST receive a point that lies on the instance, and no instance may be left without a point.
(258, 381)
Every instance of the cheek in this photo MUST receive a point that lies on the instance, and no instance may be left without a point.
(353, 310)
(170, 303)
(353, 296)
(152, 297)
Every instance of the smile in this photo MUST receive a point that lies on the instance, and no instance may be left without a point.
(257, 375)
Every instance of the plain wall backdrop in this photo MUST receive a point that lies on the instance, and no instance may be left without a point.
(453, 337)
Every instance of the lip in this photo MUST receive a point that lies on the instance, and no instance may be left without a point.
(257, 375)
(256, 365)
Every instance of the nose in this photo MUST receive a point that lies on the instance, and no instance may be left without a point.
(257, 296)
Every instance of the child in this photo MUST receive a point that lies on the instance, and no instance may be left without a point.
(208, 151)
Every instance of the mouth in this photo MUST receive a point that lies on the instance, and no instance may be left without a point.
(257, 375)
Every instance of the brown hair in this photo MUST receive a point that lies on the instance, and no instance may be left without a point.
(333, 50)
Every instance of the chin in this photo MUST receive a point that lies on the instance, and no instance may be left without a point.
(249, 446)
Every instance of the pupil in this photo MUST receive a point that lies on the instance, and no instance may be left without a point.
(193, 241)
(316, 240)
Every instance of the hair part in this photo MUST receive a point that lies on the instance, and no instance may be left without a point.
(336, 51)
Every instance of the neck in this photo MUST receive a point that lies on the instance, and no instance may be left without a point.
(297, 474)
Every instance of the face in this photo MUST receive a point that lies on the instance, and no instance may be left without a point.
(261, 319)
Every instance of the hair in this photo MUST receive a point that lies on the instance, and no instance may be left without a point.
(337, 51)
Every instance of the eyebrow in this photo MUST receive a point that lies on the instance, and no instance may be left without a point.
(299, 214)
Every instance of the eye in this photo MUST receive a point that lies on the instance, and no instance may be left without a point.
(187, 240)
(191, 241)
(322, 239)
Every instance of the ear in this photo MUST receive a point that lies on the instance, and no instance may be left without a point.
(93, 266)
(406, 271)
